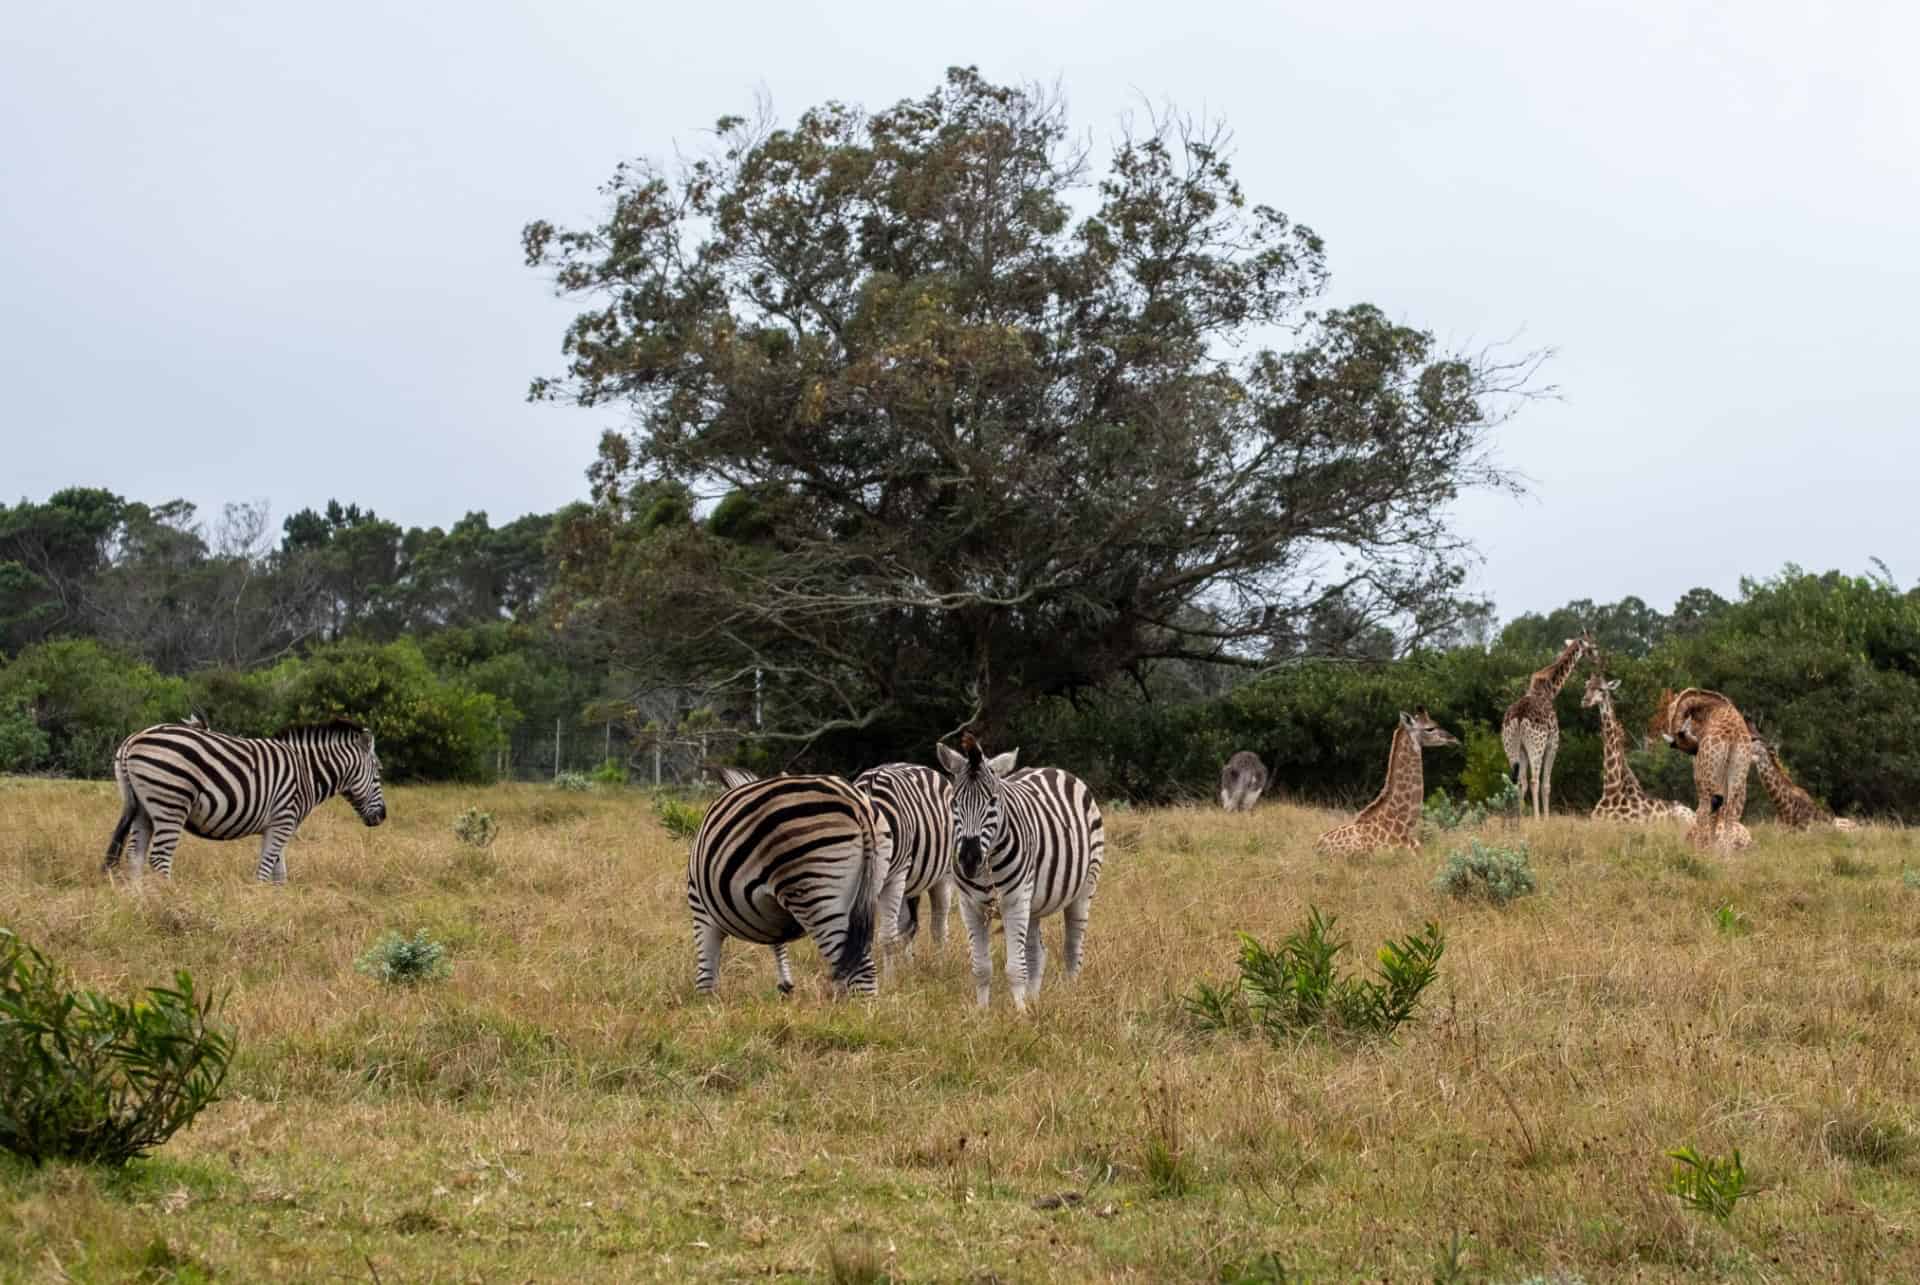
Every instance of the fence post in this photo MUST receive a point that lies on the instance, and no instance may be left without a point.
(656, 762)
(556, 749)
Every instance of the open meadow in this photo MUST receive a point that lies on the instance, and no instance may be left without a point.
(563, 1107)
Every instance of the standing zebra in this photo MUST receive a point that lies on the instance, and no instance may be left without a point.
(783, 858)
(1033, 841)
(918, 805)
(182, 776)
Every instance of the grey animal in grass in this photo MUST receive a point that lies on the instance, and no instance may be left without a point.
(1242, 781)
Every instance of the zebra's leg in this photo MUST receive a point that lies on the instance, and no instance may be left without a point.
(782, 971)
(707, 939)
(888, 928)
(139, 844)
(1077, 913)
(907, 927)
(939, 903)
(1036, 957)
(1016, 912)
(273, 853)
(980, 941)
(164, 839)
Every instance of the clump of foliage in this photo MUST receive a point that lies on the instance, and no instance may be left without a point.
(1486, 778)
(1440, 812)
(573, 782)
(405, 961)
(681, 820)
(1487, 872)
(475, 828)
(1710, 1185)
(1164, 1158)
(610, 772)
(1296, 986)
(1729, 922)
(86, 1077)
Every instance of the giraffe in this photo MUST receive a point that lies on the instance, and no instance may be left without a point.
(1530, 730)
(1722, 752)
(1621, 798)
(1392, 820)
(1793, 807)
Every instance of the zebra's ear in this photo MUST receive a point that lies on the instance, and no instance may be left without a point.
(955, 764)
(1001, 764)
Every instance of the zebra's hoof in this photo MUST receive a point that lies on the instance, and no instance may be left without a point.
(786, 988)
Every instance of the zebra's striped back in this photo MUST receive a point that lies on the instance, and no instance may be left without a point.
(791, 856)
(918, 805)
(183, 776)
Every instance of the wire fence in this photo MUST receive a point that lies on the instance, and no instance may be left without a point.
(541, 752)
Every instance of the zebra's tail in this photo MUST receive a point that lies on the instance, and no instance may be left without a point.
(129, 809)
(854, 947)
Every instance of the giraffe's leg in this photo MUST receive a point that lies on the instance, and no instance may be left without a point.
(980, 942)
(782, 968)
(1016, 913)
(707, 940)
(1702, 833)
(1738, 761)
(1546, 776)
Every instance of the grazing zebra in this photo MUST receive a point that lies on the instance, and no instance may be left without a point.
(918, 805)
(182, 776)
(784, 858)
(1032, 841)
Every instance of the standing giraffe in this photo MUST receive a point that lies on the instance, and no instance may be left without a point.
(1793, 807)
(1621, 798)
(1722, 752)
(1392, 820)
(1530, 730)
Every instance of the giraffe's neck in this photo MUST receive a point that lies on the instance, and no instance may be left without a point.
(1617, 778)
(1397, 810)
(1790, 802)
(1554, 676)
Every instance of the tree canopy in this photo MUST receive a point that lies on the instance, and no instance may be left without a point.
(932, 416)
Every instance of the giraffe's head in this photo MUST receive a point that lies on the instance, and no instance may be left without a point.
(1424, 731)
(979, 799)
(1599, 690)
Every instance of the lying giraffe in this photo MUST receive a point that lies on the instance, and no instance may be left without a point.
(1793, 807)
(1722, 750)
(1621, 798)
(1392, 820)
(1530, 730)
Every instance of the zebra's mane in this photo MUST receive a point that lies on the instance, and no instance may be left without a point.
(341, 728)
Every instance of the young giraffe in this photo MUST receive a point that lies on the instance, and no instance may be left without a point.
(1621, 798)
(1722, 750)
(1793, 807)
(1392, 820)
(1530, 730)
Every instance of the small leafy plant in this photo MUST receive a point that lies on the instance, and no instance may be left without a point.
(573, 782)
(1164, 1156)
(1730, 922)
(681, 820)
(475, 828)
(405, 961)
(1441, 813)
(1710, 1185)
(610, 772)
(85, 1077)
(1297, 987)
(1487, 872)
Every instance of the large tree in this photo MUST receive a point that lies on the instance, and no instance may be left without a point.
(959, 422)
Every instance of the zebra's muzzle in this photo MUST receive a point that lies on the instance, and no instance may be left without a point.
(969, 859)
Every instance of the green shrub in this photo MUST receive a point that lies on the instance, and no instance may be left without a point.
(681, 820)
(610, 772)
(402, 961)
(1730, 922)
(1487, 776)
(23, 746)
(1486, 872)
(1440, 813)
(1710, 1185)
(475, 828)
(572, 782)
(1296, 987)
(85, 1077)
(82, 700)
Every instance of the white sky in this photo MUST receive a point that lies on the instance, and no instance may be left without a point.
(272, 251)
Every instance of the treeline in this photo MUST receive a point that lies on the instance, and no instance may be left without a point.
(458, 646)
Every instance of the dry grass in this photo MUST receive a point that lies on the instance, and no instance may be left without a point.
(564, 1108)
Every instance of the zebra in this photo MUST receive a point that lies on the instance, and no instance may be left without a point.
(918, 805)
(1033, 841)
(786, 857)
(179, 776)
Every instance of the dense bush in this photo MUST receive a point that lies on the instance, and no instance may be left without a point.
(85, 1077)
(1487, 872)
(82, 699)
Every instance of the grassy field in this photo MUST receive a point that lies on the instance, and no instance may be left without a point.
(564, 1108)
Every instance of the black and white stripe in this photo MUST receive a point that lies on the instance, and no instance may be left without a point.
(788, 857)
(918, 805)
(181, 776)
(1033, 842)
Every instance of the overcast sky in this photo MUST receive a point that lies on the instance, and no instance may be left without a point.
(271, 251)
